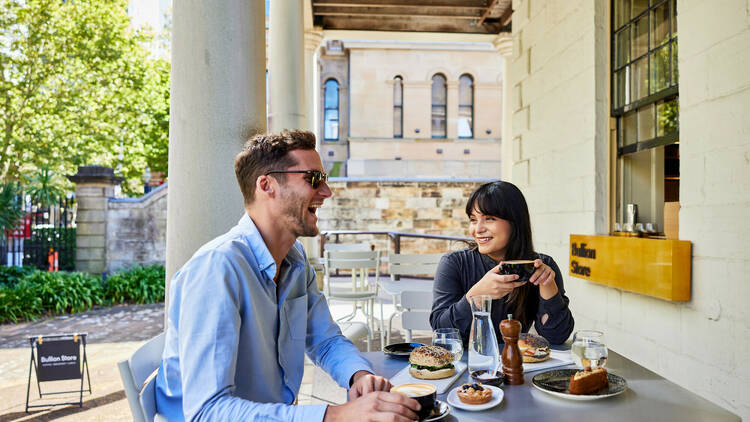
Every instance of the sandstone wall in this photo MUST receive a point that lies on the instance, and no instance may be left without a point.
(137, 230)
(426, 206)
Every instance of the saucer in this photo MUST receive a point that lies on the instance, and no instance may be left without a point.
(441, 410)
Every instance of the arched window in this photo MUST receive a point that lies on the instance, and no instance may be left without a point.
(331, 111)
(465, 106)
(398, 107)
(439, 96)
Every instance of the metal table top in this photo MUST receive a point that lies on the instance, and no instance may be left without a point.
(649, 397)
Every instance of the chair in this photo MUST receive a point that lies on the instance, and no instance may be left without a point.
(136, 374)
(416, 305)
(350, 247)
(408, 264)
(360, 290)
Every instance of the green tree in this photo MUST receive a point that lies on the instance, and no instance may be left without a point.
(77, 86)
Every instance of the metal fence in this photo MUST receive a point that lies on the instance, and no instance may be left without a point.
(45, 238)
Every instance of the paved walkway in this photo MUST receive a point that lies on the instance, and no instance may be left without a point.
(113, 335)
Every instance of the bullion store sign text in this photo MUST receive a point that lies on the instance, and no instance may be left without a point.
(59, 359)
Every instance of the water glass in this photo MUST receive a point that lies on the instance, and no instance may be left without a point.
(588, 349)
(450, 339)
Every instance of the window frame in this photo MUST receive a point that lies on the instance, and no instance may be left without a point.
(471, 105)
(444, 106)
(398, 80)
(671, 92)
(326, 108)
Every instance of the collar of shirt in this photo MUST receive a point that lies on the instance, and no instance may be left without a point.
(263, 257)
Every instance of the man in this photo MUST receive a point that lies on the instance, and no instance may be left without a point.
(245, 308)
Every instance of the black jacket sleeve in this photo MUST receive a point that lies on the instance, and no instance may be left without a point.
(560, 321)
(450, 309)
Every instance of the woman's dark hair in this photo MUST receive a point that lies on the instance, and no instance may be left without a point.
(505, 201)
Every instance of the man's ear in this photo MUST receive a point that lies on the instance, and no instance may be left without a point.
(264, 185)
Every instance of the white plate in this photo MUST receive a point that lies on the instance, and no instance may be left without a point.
(557, 358)
(442, 385)
(497, 397)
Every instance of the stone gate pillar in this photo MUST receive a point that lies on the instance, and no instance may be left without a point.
(94, 186)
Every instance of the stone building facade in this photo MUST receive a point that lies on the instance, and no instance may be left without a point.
(385, 108)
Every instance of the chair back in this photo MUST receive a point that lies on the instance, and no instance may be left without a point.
(135, 372)
(414, 264)
(350, 247)
(417, 306)
(359, 263)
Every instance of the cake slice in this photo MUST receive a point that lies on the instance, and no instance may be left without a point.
(588, 381)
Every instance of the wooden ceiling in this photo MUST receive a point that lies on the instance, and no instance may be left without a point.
(454, 16)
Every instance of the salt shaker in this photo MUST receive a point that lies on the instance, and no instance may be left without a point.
(512, 359)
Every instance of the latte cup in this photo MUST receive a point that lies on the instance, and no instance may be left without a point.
(424, 393)
(524, 268)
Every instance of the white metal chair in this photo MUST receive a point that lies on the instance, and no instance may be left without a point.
(408, 265)
(362, 292)
(136, 374)
(348, 247)
(416, 305)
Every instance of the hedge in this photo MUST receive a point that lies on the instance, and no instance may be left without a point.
(27, 293)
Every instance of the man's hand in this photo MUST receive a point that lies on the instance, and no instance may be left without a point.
(364, 382)
(375, 406)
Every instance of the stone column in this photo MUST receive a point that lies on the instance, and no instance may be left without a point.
(94, 186)
(504, 45)
(217, 102)
(286, 72)
(313, 38)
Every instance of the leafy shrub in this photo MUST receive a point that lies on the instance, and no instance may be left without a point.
(64, 292)
(27, 293)
(20, 303)
(10, 276)
(139, 284)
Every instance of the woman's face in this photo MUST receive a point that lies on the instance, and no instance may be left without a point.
(491, 234)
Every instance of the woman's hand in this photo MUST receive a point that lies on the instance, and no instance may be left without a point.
(544, 277)
(495, 284)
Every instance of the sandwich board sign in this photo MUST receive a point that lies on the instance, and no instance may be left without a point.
(57, 358)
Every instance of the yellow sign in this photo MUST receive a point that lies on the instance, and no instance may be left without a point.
(652, 267)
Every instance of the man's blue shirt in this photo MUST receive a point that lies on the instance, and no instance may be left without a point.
(235, 344)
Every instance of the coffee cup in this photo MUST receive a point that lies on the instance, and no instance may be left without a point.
(424, 393)
(524, 268)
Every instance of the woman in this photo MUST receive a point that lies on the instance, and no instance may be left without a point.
(499, 224)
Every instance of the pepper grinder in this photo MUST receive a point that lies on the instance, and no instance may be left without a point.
(512, 360)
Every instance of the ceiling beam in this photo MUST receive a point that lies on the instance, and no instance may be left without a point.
(486, 12)
(384, 12)
(507, 16)
(473, 4)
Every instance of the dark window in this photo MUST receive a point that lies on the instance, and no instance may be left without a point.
(465, 106)
(439, 96)
(331, 111)
(398, 107)
(644, 74)
(645, 94)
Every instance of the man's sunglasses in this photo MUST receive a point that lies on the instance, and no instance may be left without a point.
(313, 177)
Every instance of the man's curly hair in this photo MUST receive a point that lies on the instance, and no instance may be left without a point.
(266, 152)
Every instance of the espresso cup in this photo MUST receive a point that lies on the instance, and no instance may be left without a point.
(524, 268)
(424, 393)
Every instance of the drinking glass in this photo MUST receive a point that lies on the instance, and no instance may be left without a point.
(450, 339)
(588, 349)
(483, 348)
